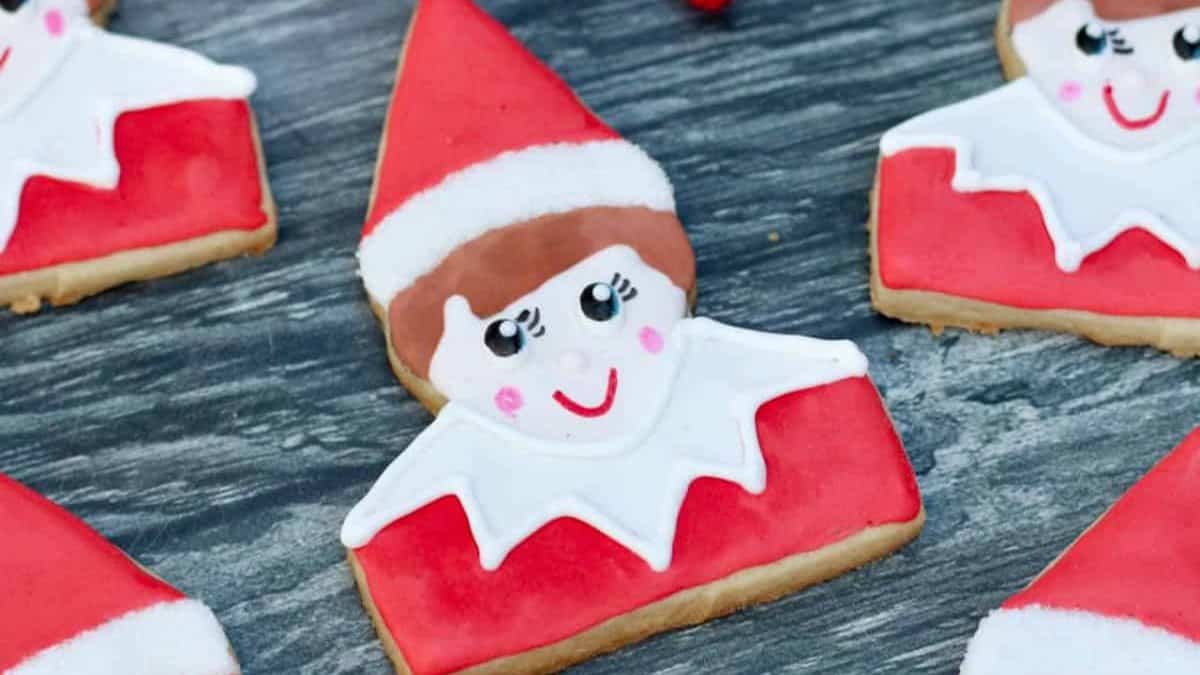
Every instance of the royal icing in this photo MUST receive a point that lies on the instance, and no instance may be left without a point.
(994, 247)
(681, 413)
(1121, 600)
(60, 99)
(568, 359)
(835, 467)
(496, 192)
(72, 604)
(1102, 141)
(544, 154)
(1128, 84)
(1012, 140)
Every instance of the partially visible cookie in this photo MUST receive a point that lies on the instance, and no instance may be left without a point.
(1065, 200)
(130, 159)
(1121, 600)
(1013, 12)
(72, 604)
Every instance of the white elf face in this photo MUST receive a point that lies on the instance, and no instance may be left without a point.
(582, 358)
(33, 38)
(1129, 84)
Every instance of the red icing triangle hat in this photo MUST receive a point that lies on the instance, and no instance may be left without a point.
(1124, 599)
(70, 602)
(482, 135)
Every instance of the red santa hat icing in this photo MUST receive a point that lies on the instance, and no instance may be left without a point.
(1122, 600)
(73, 604)
(482, 135)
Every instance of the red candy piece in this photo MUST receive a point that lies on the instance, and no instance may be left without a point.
(710, 5)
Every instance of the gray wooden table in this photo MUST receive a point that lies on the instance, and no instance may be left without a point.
(219, 425)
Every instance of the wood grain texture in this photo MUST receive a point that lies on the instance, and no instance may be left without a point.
(219, 425)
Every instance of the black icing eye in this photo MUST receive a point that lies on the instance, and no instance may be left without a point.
(600, 302)
(11, 5)
(1091, 39)
(1187, 43)
(505, 338)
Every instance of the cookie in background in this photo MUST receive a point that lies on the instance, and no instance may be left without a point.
(125, 159)
(71, 603)
(1122, 599)
(1066, 200)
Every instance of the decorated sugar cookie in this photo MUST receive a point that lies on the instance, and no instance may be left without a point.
(605, 468)
(73, 604)
(1121, 600)
(123, 159)
(1065, 200)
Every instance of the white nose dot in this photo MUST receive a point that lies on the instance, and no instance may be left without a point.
(573, 361)
(1130, 77)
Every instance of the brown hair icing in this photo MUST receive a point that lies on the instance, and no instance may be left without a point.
(494, 270)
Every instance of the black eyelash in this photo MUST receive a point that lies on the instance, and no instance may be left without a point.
(533, 321)
(624, 288)
(1120, 44)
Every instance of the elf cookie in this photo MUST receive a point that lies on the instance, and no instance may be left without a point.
(605, 468)
(1121, 600)
(1066, 200)
(1015, 12)
(73, 604)
(124, 159)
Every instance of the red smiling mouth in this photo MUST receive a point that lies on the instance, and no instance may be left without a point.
(4, 57)
(591, 412)
(1110, 100)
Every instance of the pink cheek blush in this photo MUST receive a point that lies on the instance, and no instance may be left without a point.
(1198, 96)
(509, 400)
(1070, 92)
(652, 340)
(55, 23)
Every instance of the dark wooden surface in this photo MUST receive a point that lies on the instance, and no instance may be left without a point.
(219, 425)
